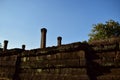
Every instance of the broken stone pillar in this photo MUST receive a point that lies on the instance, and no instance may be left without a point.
(5, 45)
(23, 47)
(59, 41)
(43, 37)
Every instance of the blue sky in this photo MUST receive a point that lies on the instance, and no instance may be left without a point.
(21, 20)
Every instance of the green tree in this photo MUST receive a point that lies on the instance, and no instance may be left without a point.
(103, 31)
(0, 45)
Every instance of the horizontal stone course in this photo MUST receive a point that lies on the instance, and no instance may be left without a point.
(76, 61)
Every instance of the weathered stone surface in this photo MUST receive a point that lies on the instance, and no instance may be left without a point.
(76, 61)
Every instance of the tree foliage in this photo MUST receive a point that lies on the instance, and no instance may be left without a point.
(103, 31)
(0, 45)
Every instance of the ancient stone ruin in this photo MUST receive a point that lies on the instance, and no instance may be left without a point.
(98, 60)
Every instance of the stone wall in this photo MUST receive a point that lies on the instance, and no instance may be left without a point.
(8, 64)
(106, 59)
(98, 60)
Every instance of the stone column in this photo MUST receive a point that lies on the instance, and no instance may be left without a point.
(5, 45)
(43, 37)
(23, 47)
(59, 41)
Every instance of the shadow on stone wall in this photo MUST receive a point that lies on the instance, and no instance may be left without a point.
(94, 69)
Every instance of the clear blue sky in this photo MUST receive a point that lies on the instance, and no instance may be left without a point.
(21, 20)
